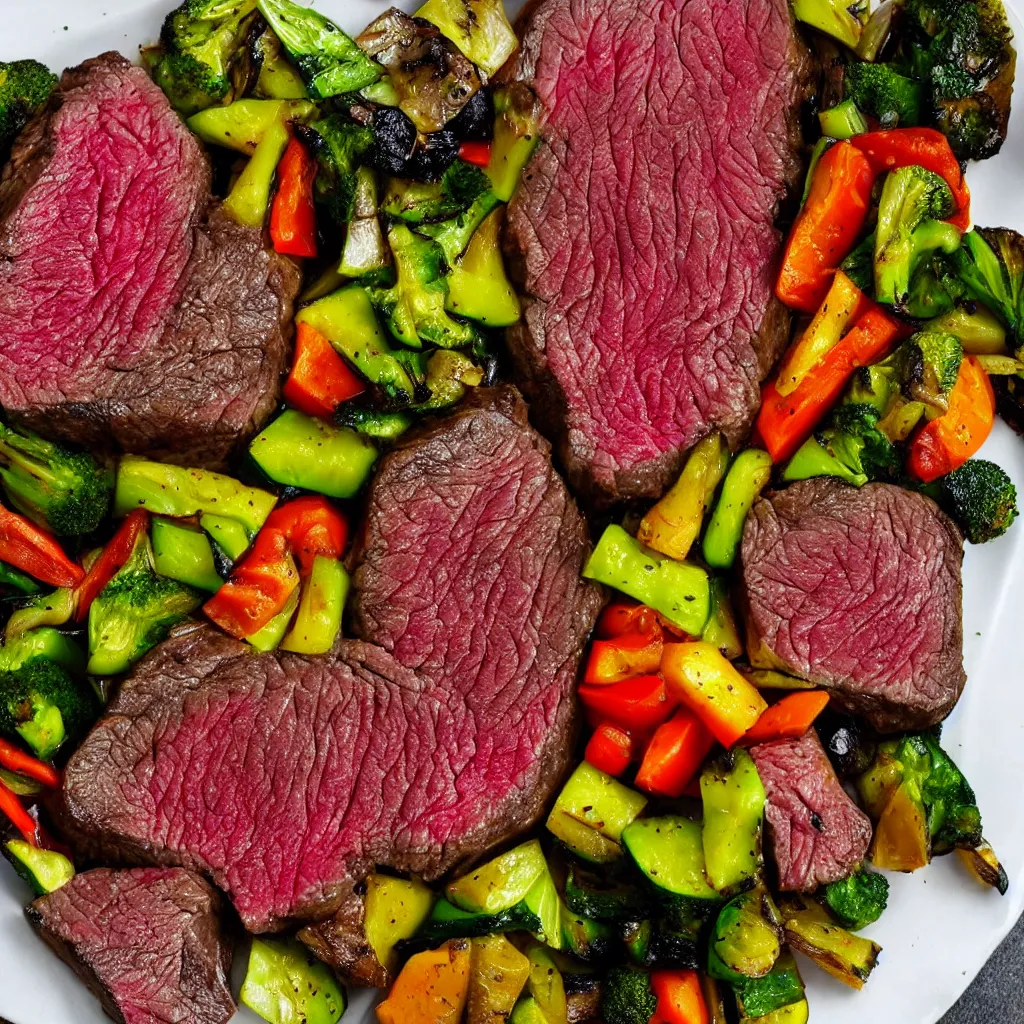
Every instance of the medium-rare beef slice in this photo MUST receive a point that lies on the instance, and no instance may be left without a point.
(147, 942)
(134, 314)
(858, 591)
(644, 233)
(287, 778)
(816, 832)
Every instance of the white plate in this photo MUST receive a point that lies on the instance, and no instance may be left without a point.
(941, 926)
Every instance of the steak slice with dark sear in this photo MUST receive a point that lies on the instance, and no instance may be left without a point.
(816, 832)
(287, 778)
(858, 591)
(147, 942)
(644, 233)
(134, 314)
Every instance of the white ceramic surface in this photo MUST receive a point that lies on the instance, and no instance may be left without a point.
(941, 926)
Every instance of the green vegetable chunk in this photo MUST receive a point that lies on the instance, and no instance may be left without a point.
(498, 974)
(329, 61)
(679, 591)
(53, 609)
(859, 900)
(478, 286)
(249, 199)
(384, 426)
(721, 629)
(591, 895)
(243, 124)
(842, 121)
(669, 852)
(395, 909)
(910, 228)
(591, 812)
(734, 800)
(44, 870)
(178, 492)
(583, 937)
(228, 534)
(25, 85)
(302, 451)
(447, 921)
(346, 318)
(270, 636)
(202, 52)
(67, 492)
(479, 28)
(185, 555)
(278, 78)
(365, 254)
(318, 620)
(341, 147)
(809, 930)
(981, 498)
(782, 986)
(134, 612)
(453, 236)
(880, 90)
(500, 883)
(45, 644)
(627, 997)
(747, 938)
(286, 984)
(11, 577)
(744, 481)
(418, 202)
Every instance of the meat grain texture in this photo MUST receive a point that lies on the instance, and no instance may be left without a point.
(147, 942)
(288, 778)
(134, 314)
(860, 592)
(644, 231)
(817, 834)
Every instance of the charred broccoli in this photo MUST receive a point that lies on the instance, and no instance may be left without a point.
(68, 492)
(329, 61)
(879, 89)
(627, 997)
(134, 612)
(25, 85)
(963, 51)
(910, 228)
(859, 900)
(43, 706)
(340, 146)
(927, 366)
(414, 307)
(921, 803)
(202, 46)
(981, 498)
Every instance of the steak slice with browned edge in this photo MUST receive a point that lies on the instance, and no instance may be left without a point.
(148, 942)
(134, 314)
(858, 591)
(287, 778)
(817, 833)
(644, 233)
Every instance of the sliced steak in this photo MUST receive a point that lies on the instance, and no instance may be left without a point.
(288, 778)
(134, 314)
(816, 832)
(147, 942)
(860, 592)
(644, 232)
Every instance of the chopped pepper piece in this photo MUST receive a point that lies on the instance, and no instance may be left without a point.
(674, 755)
(611, 661)
(640, 703)
(118, 550)
(610, 749)
(25, 546)
(789, 719)
(320, 379)
(293, 215)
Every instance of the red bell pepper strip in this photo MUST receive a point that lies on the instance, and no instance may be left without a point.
(680, 998)
(610, 749)
(636, 704)
(674, 755)
(827, 227)
(11, 806)
(622, 617)
(113, 556)
(923, 147)
(293, 216)
(785, 422)
(258, 588)
(320, 379)
(789, 719)
(611, 661)
(26, 547)
(16, 760)
(951, 439)
(312, 526)
(478, 153)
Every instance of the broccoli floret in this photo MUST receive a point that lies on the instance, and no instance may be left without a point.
(963, 51)
(329, 61)
(881, 90)
(44, 706)
(859, 266)
(453, 235)
(340, 146)
(134, 612)
(910, 228)
(68, 492)
(25, 85)
(627, 997)
(859, 900)
(414, 306)
(981, 498)
(927, 366)
(463, 183)
(989, 268)
(202, 44)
